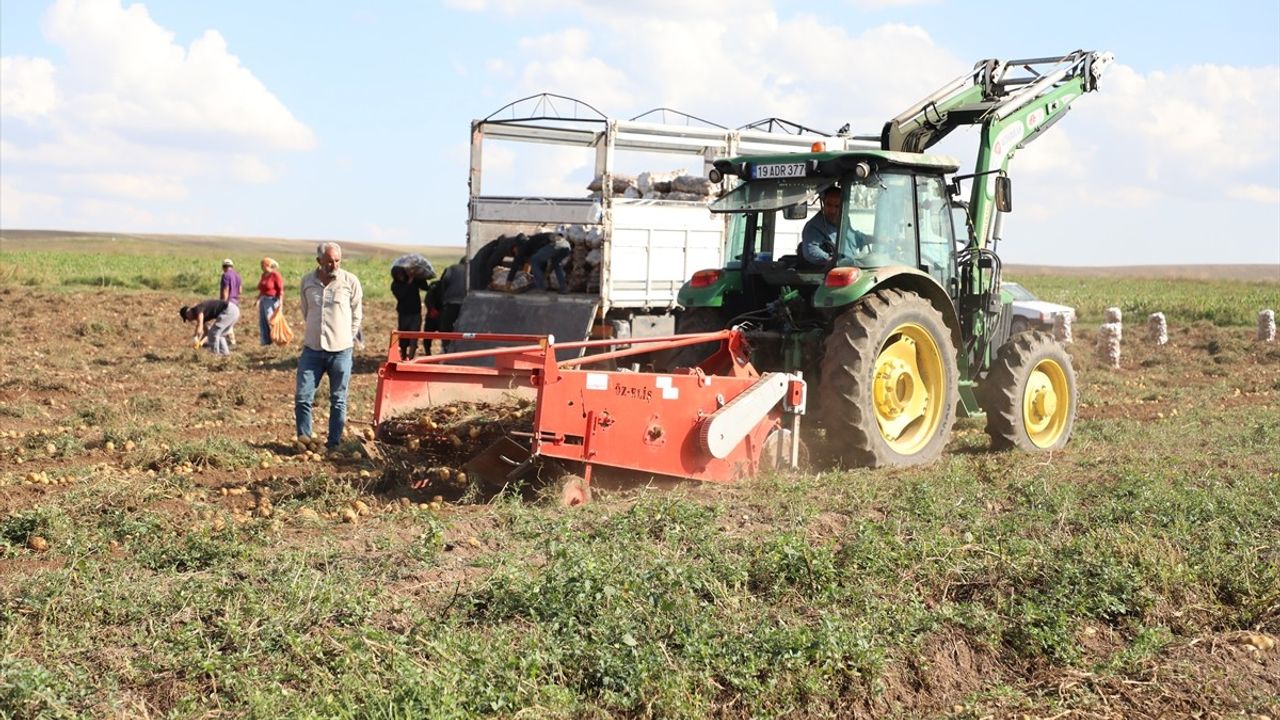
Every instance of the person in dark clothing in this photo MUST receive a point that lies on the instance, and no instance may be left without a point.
(489, 256)
(444, 299)
(407, 289)
(220, 316)
(538, 250)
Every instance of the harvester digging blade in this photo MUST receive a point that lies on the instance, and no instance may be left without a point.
(371, 450)
(503, 462)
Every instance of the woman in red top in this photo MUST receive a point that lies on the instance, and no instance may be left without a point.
(270, 297)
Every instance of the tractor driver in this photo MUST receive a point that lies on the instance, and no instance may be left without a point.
(818, 240)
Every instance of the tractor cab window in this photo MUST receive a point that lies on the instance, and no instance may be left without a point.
(936, 233)
(756, 218)
(882, 210)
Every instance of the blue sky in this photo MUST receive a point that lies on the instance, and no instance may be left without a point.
(350, 121)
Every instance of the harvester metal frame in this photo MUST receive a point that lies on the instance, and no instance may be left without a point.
(712, 422)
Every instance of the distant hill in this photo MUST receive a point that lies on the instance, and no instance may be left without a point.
(1252, 273)
(148, 244)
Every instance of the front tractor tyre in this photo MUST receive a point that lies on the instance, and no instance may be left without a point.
(889, 382)
(1030, 394)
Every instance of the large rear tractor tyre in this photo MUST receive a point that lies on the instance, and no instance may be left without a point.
(694, 320)
(889, 382)
(1030, 394)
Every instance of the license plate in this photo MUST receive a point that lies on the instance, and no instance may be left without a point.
(779, 170)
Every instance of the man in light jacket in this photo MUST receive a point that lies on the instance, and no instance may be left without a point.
(332, 310)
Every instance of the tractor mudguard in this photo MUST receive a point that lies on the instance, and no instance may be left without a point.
(710, 295)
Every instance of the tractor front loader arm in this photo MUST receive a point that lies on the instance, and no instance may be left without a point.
(1013, 101)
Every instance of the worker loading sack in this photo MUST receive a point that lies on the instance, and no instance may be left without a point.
(418, 266)
(570, 263)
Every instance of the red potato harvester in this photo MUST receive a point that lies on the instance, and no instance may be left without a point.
(718, 421)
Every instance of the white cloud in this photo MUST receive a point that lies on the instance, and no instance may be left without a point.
(1120, 196)
(125, 185)
(734, 67)
(96, 213)
(1264, 194)
(1054, 153)
(1203, 118)
(20, 208)
(27, 87)
(730, 68)
(124, 72)
(250, 169)
(131, 113)
(560, 64)
(891, 4)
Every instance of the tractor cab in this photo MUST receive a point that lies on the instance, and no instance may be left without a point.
(804, 228)
(878, 214)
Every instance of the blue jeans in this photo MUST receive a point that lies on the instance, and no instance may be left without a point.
(538, 264)
(312, 365)
(266, 306)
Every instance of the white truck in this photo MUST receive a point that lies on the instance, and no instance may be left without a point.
(648, 248)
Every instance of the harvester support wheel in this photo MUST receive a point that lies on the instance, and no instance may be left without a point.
(694, 320)
(569, 490)
(889, 382)
(1030, 394)
(776, 453)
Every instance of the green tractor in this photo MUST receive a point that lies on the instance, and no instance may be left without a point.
(891, 297)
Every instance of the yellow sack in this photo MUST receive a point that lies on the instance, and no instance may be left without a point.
(280, 332)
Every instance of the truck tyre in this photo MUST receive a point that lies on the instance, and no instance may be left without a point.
(693, 320)
(1030, 394)
(889, 382)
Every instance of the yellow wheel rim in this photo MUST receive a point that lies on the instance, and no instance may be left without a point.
(908, 389)
(1046, 403)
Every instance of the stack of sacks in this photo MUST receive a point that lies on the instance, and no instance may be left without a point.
(621, 184)
(520, 283)
(1157, 329)
(655, 185)
(1267, 326)
(1062, 328)
(676, 185)
(1109, 343)
(583, 272)
(1112, 315)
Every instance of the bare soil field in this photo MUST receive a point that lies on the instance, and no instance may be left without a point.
(167, 551)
